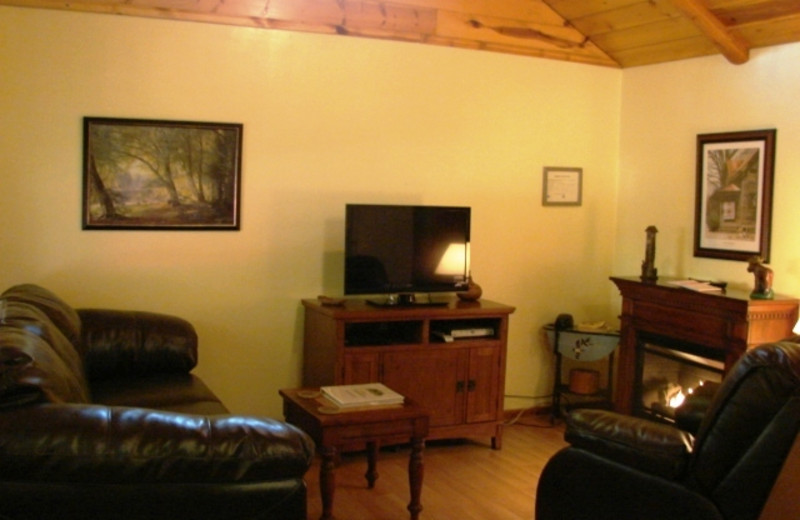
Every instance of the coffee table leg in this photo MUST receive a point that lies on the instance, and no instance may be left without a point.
(415, 474)
(372, 464)
(327, 481)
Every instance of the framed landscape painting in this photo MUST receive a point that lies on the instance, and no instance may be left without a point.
(733, 205)
(151, 174)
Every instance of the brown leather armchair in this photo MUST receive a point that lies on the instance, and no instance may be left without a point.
(101, 418)
(621, 467)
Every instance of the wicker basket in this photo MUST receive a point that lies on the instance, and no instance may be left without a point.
(583, 381)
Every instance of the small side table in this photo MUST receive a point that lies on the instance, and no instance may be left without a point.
(581, 346)
(331, 431)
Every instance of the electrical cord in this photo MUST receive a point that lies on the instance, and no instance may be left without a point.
(517, 419)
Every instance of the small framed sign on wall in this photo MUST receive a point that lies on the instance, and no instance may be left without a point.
(562, 186)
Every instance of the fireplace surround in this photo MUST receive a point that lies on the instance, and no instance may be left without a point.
(717, 326)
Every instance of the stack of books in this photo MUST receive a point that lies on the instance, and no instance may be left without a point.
(368, 394)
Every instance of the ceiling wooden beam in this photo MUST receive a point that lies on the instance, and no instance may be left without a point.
(733, 47)
(614, 33)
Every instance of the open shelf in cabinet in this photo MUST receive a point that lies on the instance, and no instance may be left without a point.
(464, 329)
(376, 333)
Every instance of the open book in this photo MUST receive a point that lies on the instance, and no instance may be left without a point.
(368, 394)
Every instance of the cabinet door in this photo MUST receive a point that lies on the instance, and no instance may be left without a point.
(433, 378)
(483, 386)
(360, 367)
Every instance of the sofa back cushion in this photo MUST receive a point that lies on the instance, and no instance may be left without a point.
(33, 320)
(62, 315)
(117, 344)
(38, 358)
(31, 371)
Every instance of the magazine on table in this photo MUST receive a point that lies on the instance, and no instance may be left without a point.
(697, 285)
(367, 394)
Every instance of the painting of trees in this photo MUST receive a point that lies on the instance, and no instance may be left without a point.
(733, 202)
(141, 174)
(732, 176)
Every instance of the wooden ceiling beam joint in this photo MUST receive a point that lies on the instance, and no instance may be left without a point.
(732, 46)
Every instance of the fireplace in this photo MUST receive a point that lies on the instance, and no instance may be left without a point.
(718, 327)
(667, 372)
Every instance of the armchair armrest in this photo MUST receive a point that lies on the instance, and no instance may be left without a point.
(655, 448)
(68, 443)
(132, 343)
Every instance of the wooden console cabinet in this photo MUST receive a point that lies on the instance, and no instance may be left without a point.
(460, 382)
(729, 323)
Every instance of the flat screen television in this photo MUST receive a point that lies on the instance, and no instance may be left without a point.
(399, 251)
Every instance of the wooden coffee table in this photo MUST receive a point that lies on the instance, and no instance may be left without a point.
(331, 431)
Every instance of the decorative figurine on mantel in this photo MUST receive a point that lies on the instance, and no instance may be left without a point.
(649, 272)
(763, 279)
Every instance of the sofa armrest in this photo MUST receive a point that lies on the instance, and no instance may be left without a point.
(102, 444)
(655, 448)
(132, 343)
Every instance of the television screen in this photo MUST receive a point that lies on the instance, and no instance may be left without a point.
(406, 249)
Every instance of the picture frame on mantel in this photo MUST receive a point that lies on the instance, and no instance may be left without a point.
(144, 174)
(733, 199)
(562, 186)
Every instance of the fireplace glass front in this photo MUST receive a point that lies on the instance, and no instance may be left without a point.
(666, 375)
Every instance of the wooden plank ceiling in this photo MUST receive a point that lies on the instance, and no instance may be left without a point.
(614, 33)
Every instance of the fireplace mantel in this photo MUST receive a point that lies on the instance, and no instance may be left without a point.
(729, 322)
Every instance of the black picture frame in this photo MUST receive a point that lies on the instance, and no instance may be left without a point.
(146, 174)
(733, 202)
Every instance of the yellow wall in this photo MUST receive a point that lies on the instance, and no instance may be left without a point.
(664, 108)
(327, 120)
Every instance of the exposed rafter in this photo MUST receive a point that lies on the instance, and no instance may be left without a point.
(732, 46)
(610, 33)
(531, 34)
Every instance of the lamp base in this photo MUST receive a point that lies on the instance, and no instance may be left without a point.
(473, 292)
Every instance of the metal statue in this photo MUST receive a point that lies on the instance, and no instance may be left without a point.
(649, 272)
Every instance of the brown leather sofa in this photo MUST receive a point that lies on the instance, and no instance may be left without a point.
(101, 418)
(621, 467)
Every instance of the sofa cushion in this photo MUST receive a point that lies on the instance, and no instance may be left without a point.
(105, 445)
(32, 319)
(61, 314)
(31, 371)
(183, 393)
(655, 448)
(118, 344)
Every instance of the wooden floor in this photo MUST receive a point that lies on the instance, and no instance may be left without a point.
(464, 479)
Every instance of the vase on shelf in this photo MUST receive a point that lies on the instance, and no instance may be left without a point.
(473, 292)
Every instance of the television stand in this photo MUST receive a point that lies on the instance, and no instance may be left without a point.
(395, 305)
(405, 300)
(460, 382)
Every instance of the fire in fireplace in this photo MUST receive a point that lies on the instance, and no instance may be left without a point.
(666, 375)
